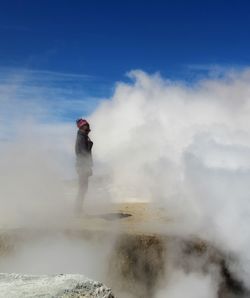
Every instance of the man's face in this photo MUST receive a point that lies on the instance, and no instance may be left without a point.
(85, 129)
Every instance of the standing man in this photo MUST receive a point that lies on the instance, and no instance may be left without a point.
(84, 161)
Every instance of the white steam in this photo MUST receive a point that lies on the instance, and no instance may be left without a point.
(193, 285)
(186, 148)
(32, 171)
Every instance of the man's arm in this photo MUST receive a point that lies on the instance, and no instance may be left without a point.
(80, 146)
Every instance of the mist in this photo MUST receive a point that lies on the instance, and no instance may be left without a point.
(183, 147)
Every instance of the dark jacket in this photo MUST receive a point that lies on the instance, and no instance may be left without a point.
(83, 148)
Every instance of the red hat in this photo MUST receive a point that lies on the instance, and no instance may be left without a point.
(80, 122)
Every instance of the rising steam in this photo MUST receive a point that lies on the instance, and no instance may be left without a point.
(183, 147)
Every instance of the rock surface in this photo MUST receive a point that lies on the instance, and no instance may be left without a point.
(51, 286)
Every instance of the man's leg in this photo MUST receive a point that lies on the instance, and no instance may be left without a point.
(82, 190)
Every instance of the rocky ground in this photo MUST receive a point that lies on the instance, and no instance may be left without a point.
(55, 286)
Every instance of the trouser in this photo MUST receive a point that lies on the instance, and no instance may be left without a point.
(82, 190)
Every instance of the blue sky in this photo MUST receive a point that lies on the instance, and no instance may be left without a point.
(94, 43)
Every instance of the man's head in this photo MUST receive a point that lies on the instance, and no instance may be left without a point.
(83, 125)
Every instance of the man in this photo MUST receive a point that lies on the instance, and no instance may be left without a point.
(84, 161)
